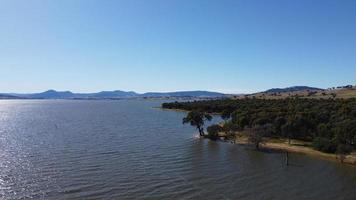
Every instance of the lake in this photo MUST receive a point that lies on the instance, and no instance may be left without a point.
(127, 149)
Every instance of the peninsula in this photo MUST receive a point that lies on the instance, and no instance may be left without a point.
(314, 125)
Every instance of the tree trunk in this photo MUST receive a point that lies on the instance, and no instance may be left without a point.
(201, 131)
(287, 158)
(342, 158)
(257, 145)
(288, 140)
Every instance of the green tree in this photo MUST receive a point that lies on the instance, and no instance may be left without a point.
(329, 123)
(343, 149)
(226, 114)
(257, 133)
(278, 123)
(345, 132)
(324, 145)
(197, 118)
(213, 131)
(230, 130)
(241, 119)
(288, 130)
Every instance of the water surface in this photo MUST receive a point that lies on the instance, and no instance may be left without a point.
(63, 149)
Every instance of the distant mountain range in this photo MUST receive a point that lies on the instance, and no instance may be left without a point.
(117, 94)
(6, 96)
(293, 89)
(184, 94)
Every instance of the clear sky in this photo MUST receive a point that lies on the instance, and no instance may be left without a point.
(169, 45)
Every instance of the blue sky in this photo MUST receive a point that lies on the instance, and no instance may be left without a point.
(169, 45)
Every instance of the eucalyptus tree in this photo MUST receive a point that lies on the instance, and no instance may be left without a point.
(197, 118)
(257, 134)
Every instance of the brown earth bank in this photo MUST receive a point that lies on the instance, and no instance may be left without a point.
(298, 146)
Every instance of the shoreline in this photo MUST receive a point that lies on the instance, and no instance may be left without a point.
(296, 146)
(300, 147)
(181, 110)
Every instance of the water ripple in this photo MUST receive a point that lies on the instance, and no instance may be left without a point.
(127, 150)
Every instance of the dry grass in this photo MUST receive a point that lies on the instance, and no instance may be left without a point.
(340, 93)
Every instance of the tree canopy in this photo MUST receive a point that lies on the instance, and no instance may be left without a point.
(329, 123)
(197, 118)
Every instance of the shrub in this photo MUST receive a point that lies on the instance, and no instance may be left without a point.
(213, 131)
(324, 145)
(344, 149)
(230, 128)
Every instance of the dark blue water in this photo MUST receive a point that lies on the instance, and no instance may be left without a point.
(130, 150)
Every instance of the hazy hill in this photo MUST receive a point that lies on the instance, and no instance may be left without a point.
(293, 89)
(6, 96)
(53, 94)
(306, 92)
(113, 94)
(184, 94)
